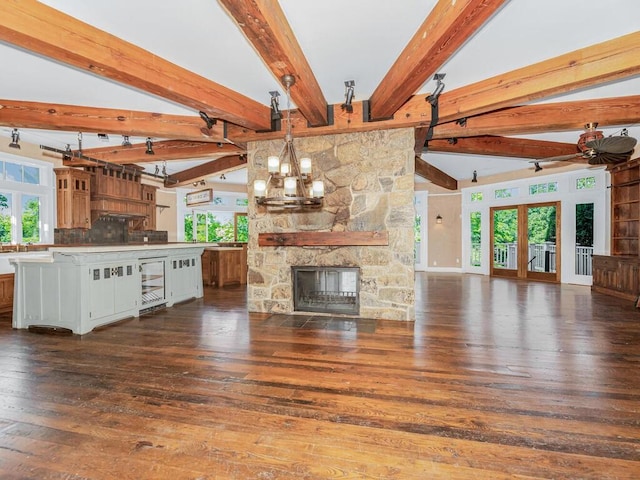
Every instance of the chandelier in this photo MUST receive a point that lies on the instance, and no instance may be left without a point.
(290, 184)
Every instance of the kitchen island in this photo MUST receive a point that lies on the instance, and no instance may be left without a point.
(81, 288)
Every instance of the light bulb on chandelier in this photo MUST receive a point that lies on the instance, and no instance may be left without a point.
(290, 184)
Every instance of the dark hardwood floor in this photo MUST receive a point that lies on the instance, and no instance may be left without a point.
(496, 379)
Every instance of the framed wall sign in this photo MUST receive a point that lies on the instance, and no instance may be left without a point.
(200, 197)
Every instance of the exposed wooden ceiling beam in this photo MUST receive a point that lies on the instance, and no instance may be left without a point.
(163, 151)
(264, 24)
(504, 147)
(48, 32)
(445, 30)
(218, 166)
(588, 67)
(604, 62)
(49, 116)
(550, 117)
(434, 175)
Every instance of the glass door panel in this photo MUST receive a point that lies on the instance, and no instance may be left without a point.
(476, 239)
(541, 241)
(504, 239)
(584, 238)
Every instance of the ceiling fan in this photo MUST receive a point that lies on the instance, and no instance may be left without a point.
(597, 149)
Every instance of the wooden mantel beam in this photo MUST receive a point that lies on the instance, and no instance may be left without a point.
(163, 151)
(49, 116)
(38, 28)
(264, 24)
(445, 30)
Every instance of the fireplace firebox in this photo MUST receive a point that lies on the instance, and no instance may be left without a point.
(326, 289)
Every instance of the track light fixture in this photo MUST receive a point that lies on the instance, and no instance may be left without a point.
(208, 120)
(222, 177)
(275, 105)
(538, 167)
(433, 98)
(149, 150)
(475, 177)
(68, 154)
(348, 95)
(164, 170)
(157, 170)
(15, 139)
(125, 141)
(80, 143)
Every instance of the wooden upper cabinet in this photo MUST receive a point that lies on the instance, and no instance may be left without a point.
(73, 201)
(84, 196)
(625, 208)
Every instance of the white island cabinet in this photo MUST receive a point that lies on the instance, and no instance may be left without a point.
(81, 288)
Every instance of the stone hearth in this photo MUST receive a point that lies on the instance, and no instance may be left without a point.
(369, 186)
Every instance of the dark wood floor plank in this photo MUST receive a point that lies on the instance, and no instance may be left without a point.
(496, 379)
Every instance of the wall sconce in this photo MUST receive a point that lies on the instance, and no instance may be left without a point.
(15, 138)
(149, 150)
(475, 177)
(438, 218)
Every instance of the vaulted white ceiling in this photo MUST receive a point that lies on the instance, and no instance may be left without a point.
(342, 40)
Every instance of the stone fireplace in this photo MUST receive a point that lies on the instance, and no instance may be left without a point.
(369, 187)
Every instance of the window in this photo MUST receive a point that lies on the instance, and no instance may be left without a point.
(506, 192)
(241, 227)
(476, 196)
(30, 219)
(217, 227)
(585, 183)
(543, 188)
(27, 201)
(5, 217)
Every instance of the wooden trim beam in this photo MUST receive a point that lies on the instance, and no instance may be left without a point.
(504, 147)
(604, 62)
(323, 239)
(265, 26)
(551, 117)
(220, 165)
(164, 151)
(60, 117)
(43, 30)
(445, 30)
(434, 175)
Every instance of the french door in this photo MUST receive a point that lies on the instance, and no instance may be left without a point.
(525, 241)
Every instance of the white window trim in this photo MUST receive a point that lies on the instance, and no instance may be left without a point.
(568, 195)
(45, 190)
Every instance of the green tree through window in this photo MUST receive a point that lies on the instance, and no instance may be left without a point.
(30, 219)
(5, 218)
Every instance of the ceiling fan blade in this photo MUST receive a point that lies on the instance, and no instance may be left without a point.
(606, 158)
(619, 144)
(559, 158)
